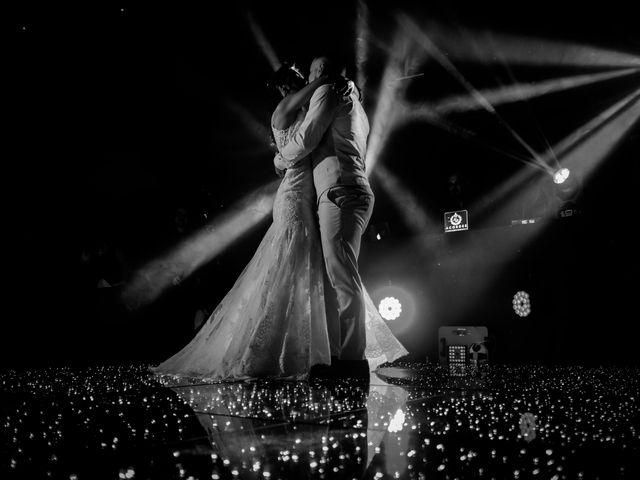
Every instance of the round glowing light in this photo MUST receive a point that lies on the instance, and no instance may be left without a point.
(390, 308)
(561, 175)
(521, 303)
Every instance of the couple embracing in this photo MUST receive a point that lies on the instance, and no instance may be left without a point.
(299, 306)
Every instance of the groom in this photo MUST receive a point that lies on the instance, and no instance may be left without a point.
(334, 133)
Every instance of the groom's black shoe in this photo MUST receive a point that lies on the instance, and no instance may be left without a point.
(322, 371)
(352, 368)
(341, 370)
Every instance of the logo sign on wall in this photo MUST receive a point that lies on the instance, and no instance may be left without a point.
(456, 221)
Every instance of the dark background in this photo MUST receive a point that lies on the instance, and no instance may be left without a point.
(118, 118)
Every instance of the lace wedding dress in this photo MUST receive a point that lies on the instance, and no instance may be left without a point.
(272, 321)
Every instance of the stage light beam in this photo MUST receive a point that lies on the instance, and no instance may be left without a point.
(389, 107)
(384, 117)
(594, 146)
(158, 275)
(435, 52)
(519, 92)
(362, 43)
(582, 149)
(440, 121)
(488, 47)
(263, 43)
(412, 212)
(259, 131)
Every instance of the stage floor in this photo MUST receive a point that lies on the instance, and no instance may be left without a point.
(408, 421)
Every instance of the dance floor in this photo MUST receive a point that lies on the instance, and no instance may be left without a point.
(408, 421)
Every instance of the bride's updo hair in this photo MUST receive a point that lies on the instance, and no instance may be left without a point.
(288, 77)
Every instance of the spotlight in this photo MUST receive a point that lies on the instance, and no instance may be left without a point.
(566, 187)
(521, 303)
(390, 308)
(568, 191)
(396, 305)
(561, 175)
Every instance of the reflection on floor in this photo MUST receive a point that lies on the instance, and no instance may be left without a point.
(408, 421)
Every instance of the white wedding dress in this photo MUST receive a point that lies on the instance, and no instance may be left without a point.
(272, 322)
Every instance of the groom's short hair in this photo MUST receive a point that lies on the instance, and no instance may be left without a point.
(332, 64)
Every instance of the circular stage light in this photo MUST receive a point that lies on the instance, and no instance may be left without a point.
(390, 308)
(561, 175)
(521, 303)
(395, 305)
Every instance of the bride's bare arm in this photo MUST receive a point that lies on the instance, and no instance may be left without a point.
(287, 110)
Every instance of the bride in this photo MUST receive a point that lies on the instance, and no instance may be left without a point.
(272, 323)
